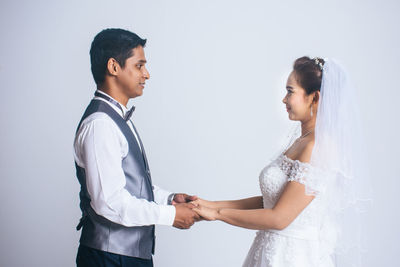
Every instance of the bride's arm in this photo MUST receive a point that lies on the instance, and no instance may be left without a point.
(240, 204)
(292, 201)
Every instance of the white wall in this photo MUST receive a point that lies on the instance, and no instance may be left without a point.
(211, 116)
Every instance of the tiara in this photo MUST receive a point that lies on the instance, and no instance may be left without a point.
(318, 63)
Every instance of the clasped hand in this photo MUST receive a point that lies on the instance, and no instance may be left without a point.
(191, 209)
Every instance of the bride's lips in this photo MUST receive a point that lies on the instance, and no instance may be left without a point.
(287, 109)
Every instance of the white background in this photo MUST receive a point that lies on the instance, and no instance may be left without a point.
(211, 115)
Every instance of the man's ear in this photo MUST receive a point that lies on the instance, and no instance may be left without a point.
(316, 97)
(112, 67)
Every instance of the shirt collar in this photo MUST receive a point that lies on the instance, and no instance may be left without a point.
(123, 108)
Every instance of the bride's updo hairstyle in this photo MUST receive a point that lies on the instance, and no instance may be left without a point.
(308, 73)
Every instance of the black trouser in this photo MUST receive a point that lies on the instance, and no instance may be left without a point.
(89, 257)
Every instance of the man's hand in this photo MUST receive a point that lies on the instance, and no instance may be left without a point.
(183, 198)
(185, 216)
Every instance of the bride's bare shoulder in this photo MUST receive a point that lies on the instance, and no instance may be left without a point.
(303, 153)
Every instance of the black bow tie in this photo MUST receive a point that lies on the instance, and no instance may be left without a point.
(128, 114)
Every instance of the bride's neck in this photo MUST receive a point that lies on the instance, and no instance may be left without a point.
(307, 126)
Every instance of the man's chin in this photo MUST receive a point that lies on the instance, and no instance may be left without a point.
(136, 94)
(140, 91)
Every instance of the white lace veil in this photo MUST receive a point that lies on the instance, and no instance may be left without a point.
(340, 174)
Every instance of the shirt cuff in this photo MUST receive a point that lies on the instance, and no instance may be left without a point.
(167, 215)
(170, 198)
(160, 195)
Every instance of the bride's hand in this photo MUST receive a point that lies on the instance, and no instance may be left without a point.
(206, 213)
(203, 202)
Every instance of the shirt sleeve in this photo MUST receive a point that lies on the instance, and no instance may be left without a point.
(161, 195)
(100, 148)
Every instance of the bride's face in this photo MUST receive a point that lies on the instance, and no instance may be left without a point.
(298, 103)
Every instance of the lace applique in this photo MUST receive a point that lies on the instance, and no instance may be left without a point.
(286, 165)
(278, 173)
(272, 181)
(298, 171)
(266, 245)
(301, 172)
(273, 249)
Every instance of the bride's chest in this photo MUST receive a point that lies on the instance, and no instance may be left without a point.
(273, 179)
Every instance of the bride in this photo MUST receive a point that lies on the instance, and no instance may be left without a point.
(310, 191)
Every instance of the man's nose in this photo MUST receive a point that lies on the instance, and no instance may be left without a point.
(146, 74)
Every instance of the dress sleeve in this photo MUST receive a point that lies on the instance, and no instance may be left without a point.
(298, 172)
(307, 175)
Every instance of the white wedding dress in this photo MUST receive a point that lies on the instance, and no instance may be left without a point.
(302, 243)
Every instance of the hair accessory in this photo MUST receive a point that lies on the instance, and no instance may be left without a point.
(318, 63)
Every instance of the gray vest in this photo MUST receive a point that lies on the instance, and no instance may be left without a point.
(99, 232)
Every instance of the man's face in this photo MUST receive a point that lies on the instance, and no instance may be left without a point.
(133, 76)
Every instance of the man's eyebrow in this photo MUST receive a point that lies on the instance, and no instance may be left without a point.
(289, 87)
(142, 61)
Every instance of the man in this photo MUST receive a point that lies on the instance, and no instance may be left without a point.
(119, 204)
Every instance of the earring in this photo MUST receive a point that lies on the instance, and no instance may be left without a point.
(311, 112)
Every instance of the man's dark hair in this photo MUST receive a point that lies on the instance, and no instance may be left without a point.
(112, 43)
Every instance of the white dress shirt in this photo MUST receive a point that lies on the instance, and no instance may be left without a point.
(99, 148)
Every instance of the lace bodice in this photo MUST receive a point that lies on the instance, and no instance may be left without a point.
(276, 175)
(301, 243)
